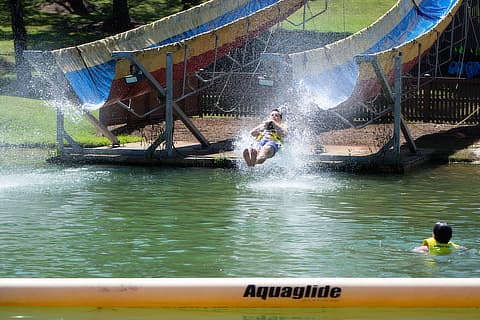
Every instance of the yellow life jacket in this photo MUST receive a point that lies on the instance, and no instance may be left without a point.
(272, 134)
(436, 247)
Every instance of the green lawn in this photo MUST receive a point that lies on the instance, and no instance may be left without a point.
(33, 122)
(26, 121)
(342, 15)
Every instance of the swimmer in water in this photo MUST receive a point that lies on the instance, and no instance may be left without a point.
(439, 242)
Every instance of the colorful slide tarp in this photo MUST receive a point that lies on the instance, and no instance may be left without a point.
(196, 36)
(201, 34)
(332, 78)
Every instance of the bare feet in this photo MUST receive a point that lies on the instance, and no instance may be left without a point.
(250, 157)
(253, 157)
(247, 158)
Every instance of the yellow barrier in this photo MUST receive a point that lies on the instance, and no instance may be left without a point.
(242, 292)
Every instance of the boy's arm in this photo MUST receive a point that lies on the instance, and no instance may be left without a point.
(255, 131)
(421, 249)
(282, 129)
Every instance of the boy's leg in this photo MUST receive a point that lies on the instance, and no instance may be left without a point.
(265, 153)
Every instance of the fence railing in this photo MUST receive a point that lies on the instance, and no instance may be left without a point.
(240, 95)
(442, 100)
(436, 100)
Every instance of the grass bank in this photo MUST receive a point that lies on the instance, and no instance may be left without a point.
(32, 122)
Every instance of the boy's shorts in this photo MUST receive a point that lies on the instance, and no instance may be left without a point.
(268, 142)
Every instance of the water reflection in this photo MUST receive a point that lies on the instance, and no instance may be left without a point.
(101, 221)
(239, 314)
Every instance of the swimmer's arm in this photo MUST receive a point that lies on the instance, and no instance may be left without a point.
(255, 131)
(421, 249)
(458, 246)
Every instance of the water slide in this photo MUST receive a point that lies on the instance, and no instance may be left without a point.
(195, 37)
(198, 36)
(331, 76)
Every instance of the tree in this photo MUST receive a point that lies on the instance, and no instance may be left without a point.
(120, 20)
(19, 42)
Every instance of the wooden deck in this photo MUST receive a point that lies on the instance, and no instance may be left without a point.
(461, 144)
(222, 155)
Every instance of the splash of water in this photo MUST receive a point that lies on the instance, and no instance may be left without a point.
(315, 95)
(329, 88)
(52, 88)
(291, 158)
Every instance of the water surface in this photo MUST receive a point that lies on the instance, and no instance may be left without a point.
(118, 221)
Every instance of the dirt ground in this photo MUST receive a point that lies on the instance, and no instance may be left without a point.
(437, 136)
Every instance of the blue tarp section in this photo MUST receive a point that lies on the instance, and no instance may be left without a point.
(417, 22)
(240, 12)
(92, 85)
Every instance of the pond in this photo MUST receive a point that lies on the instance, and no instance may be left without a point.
(272, 221)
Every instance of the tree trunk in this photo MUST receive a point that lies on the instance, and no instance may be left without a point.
(120, 16)
(78, 6)
(19, 43)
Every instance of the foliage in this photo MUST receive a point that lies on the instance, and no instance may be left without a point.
(49, 30)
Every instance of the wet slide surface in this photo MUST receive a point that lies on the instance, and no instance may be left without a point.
(408, 25)
(198, 36)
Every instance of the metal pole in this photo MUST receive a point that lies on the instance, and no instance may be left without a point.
(215, 59)
(169, 105)
(437, 47)
(419, 66)
(60, 132)
(60, 121)
(185, 62)
(304, 14)
(178, 111)
(397, 113)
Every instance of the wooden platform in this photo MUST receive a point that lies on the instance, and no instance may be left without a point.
(222, 155)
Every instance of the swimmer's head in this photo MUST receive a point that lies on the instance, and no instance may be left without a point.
(442, 232)
(276, 112)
